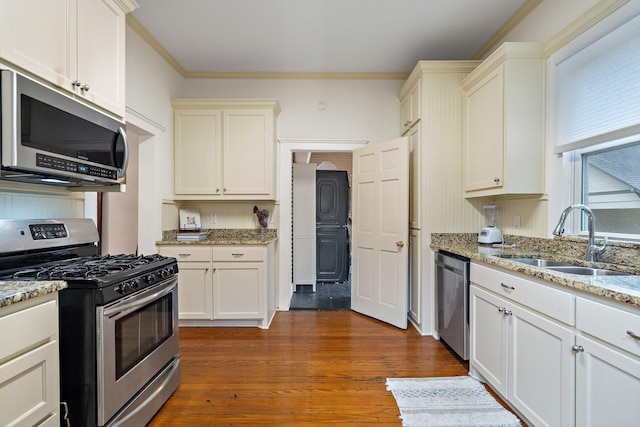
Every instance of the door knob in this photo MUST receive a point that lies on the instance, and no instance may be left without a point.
(400, 244)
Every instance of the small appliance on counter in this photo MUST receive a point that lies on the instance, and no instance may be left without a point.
(490, 234)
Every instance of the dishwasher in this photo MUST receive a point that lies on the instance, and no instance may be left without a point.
(452, 301)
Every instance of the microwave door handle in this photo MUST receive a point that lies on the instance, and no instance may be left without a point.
(125, 161)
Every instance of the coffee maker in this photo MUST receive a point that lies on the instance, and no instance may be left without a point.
(490, 234)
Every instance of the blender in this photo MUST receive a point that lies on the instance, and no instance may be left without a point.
(490, 234)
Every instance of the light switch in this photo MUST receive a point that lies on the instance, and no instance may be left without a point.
(516, 221)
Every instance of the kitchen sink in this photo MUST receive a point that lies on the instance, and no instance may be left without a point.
(587, 271)
(565, 267)
(540, 262)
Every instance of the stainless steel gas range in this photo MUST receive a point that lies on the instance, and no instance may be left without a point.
(119, 357)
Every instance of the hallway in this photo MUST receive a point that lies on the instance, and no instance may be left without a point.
(328, 296)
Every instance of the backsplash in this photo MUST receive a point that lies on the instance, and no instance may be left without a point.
(228, 215)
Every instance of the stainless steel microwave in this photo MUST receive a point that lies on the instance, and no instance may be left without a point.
(51, 138)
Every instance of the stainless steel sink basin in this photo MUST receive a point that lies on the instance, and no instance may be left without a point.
(540, 262)
(587, 271)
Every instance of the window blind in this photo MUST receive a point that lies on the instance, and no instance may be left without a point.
(597, 89)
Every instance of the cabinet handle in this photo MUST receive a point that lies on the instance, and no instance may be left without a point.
(184, 255)
(217, 190)
(405, 124)
(577, 348)
(633, 335)
(511, 288)
(496, 180)
(237, 254)
(76, 83)
(508, 313)
(502, 309)
(84, 88)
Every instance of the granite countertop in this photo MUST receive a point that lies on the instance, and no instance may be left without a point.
(625, 289)
(15, 291)
(224, 236)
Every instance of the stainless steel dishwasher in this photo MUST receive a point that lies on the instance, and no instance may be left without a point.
(452, 301)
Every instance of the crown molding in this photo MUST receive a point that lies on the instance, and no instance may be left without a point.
(590, 18)
(145, 35)
(297, 75)
(515, 19)
(127, 6)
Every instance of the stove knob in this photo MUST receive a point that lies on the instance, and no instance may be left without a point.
(150, 278)
(164, 273)
(135, 284)
(119, 289)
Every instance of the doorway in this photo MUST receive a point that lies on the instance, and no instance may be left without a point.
(327, 217)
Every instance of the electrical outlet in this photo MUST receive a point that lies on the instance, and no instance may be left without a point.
(213, 219)
(516, 221)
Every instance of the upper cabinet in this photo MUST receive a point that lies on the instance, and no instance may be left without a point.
(410, 107)
(225, 149)
(79, 45)
(503, 135)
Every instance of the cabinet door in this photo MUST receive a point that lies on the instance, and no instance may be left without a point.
(489, 337)
(194, 290)
(483, 154)
(101, 54)
(414, 177)
(197, 160)
(607, 386)
(238, 290)
(541, 366)
(415, 277)
(36, 36)
(248, 152)
(29, 386)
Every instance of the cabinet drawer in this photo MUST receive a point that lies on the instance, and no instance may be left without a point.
(23, 329)
(609, 324)
(187, 252)
(239, 253)
(29, 386)
(544, 299)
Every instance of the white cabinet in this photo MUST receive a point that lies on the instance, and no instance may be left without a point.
(79, 46)
(431, 104)
(415, 272)
(519, 348)
(224, 283)
(410, 107)
(607, 366)
(225, 149)
(29, 368)
(503, 135)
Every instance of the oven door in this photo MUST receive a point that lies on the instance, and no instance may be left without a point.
(137, 338)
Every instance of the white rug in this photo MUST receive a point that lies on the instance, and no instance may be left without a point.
(448, 401)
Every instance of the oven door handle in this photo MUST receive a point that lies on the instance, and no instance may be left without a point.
(125, 307)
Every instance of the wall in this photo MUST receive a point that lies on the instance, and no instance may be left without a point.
(151, 83)
(538, 215)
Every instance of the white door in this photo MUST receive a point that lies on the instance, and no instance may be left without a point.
(380, 231)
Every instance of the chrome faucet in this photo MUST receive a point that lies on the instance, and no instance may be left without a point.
(592, 249)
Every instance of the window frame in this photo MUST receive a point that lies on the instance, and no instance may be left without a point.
(573, 160)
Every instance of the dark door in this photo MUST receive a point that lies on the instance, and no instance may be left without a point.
(332, 237)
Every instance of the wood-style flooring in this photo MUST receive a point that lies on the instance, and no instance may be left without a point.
(310, 368)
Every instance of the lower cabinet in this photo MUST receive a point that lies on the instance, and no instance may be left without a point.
(525, 356)
(558, 359)
(29, 372)
(224, 285)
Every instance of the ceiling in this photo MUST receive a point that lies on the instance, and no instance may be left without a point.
(321, 36)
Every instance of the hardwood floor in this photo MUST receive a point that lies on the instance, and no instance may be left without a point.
(310, 368)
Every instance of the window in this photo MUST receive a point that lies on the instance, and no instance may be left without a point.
(608, 178)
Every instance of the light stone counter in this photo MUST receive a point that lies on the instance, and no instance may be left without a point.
(224, 236)
(625, 289)
(15, 291)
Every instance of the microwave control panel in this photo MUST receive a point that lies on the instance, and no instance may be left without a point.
(55, 163)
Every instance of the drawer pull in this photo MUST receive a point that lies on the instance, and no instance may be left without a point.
(511, 288)
(577, 348)
(184, 255)
(237, 254)
(508, 313)
(502, 309)
(633, 335)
